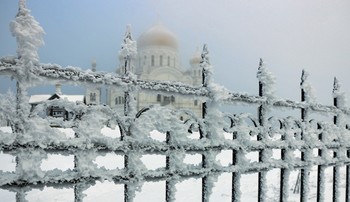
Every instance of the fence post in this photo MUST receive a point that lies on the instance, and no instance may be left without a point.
(304, 172)
(128, 53)
(285, 172)
(336, 173)
(262, 187)
(320, 173)
(235, 195)
(205, 83)
(347, 183)
(21, 115)
(169, 184)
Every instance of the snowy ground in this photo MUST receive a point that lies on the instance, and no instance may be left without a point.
(188, 190)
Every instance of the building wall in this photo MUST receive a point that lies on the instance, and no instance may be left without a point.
(158, 63)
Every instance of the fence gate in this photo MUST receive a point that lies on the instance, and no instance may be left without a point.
(33, 138)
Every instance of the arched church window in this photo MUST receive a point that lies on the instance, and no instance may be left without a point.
(159, 98)
(152, 60)
(161, 60)
(172, 98)
(144, 60)
(195, 102)
(168, 61)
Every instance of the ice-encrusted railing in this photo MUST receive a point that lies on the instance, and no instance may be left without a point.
(33, 138)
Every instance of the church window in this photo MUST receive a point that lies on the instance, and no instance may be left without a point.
(116, 101)
(119, 100)
(144, 60)
(166, 100)
(152, 60)
(159, 98)
(161, 60)
(195, 102)
(92, 97)
(172, 98)
(168, 61)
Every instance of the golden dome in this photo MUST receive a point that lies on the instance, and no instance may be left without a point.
(157, 35)
(196, 58)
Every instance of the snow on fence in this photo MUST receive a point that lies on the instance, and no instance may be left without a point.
(33, 138)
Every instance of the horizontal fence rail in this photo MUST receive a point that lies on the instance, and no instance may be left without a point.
(33, 138)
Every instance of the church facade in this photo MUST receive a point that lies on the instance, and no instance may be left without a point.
(157, 59)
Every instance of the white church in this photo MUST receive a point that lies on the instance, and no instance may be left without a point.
(157, 59)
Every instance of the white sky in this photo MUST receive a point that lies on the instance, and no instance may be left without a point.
(289, 35)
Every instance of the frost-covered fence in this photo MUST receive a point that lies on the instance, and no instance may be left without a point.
(32, 139)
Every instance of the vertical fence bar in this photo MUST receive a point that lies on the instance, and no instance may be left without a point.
(304, 172)
(262, 174)
(128, 98)
(284, 177)
(262, 186)
(320, 174)
(21, 196)
(126, 157)
(78, 193)
(347, 188)
(77, 190)
(336, 174)
(204, 114)
(235, 193)
(19, 128)
(169, 184)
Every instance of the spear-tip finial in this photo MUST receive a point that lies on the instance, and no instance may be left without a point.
(128, 32)
(304, 76)
(204, 55)
(261, 63)
(336, 85)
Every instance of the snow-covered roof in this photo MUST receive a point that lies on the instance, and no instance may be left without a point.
(36, 99)
(73, 98)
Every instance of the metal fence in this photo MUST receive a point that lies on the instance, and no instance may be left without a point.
(33, 138)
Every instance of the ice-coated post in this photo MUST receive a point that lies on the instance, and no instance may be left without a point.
(169, 184)
(336, 173)
(304, 172)
(262, 187)
(128, 52)
(320, 173)
(204, 64)
(206, 78)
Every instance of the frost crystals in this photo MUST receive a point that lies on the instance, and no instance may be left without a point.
(29, 35)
